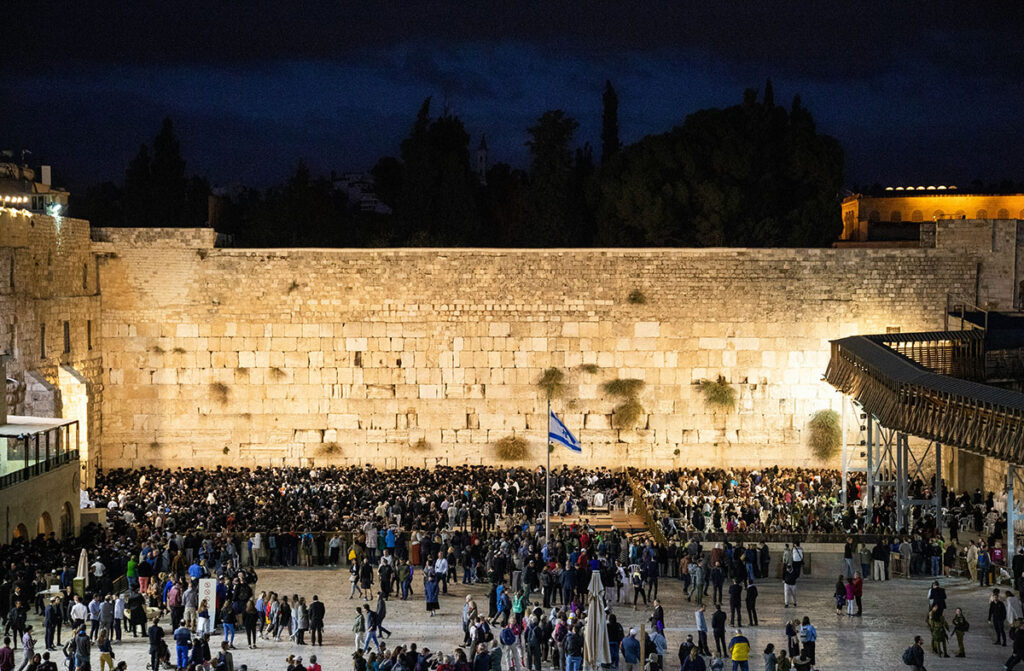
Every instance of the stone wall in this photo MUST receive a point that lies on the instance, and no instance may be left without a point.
(49, 277)
(227, 356)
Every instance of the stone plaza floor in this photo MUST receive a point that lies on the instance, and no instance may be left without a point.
(894, 613)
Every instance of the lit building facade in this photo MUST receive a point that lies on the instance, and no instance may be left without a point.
(894, 213)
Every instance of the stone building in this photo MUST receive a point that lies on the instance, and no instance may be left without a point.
(895, 213)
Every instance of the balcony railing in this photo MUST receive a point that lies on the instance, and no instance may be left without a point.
(55, 461)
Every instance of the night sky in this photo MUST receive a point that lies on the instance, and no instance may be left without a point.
(923, 93)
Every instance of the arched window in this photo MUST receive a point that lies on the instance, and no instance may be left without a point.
(1003, 214)
(44, 527)
(917, 215)
(959, 214)
(938, 214)
(67, 521)
(896, 216)
(874, 216)
(982, 214)
(20, 533)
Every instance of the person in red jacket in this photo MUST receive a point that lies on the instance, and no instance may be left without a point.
(858, 591)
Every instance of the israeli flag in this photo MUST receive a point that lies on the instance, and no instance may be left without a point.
(557, 433)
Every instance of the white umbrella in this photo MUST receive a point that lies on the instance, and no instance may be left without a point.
(595, 634)
(83, 567)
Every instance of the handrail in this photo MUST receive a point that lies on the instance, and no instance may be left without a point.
(906, 397)
(963, 304)
(641, 509)
(37, 468)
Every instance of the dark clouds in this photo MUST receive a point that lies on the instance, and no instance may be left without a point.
(914, 91)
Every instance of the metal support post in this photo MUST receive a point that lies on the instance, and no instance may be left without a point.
(938, 487)
(842, 432)
(870, 507)
(547, 481)
(1011, 514)
(901, 480)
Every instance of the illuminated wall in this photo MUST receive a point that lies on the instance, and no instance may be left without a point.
(248, 356)
(859, 211)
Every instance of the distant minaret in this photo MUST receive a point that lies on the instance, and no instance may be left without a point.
(481, 160)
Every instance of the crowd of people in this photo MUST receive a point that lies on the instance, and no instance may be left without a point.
(410, 533)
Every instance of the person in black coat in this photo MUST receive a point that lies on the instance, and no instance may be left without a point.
(917, 654)
(382, 611)
(1018, 652)
(997, 616)
(937, 597)
(751, 603)
(718, 628)
(657, 618)
(316, 621)
(735, 603)
(1018, 570)
(156, 643)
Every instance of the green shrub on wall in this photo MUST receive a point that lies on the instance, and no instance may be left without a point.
(623, 388)
(552, 382)
(627, 414)
(636, 297)
(220, 392)
(589, 368)
(825, 434)
(630, 411)
(718, 393)
(511, 448)
(330, 449)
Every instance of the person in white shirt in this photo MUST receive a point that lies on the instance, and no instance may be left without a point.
(119, 606)
(79, 612)
(1013, 607)
(441, 569)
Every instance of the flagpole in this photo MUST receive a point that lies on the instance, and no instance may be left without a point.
(547, 482)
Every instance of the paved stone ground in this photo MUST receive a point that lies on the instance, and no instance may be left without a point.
(893, 613)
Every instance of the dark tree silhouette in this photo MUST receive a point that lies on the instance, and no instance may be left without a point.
(610, 144)
(551, 169)
(747, 175)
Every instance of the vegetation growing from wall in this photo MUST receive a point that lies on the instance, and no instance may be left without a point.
(718, 394)
(627, 414)
(825, 434)
(637, 297)
(220, 392)
(624, 388)
(589, 368)
(629, 411)
(511, 448)
(420, 445)
(552, 382)
(330, 449)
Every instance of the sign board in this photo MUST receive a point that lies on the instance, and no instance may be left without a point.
(208, 591)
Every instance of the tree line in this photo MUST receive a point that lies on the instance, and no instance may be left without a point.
(751, 174)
